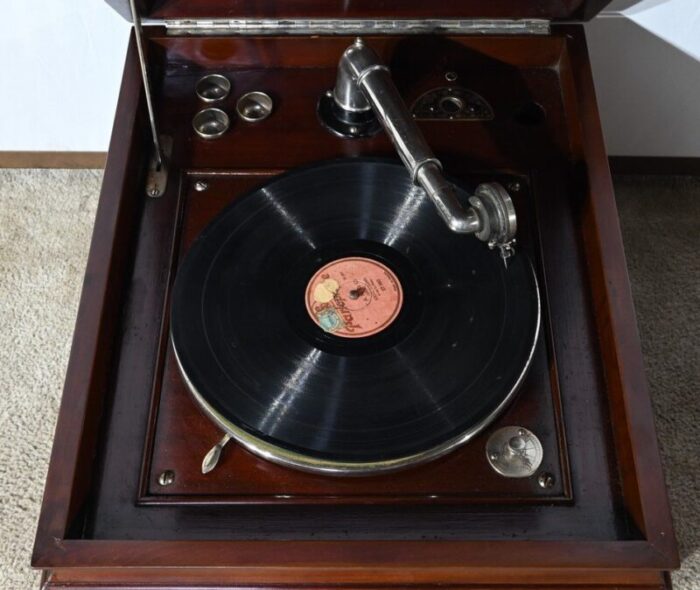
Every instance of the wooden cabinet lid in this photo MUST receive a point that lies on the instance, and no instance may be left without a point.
(369, 9)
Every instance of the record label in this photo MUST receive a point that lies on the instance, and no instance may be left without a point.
(354, 297)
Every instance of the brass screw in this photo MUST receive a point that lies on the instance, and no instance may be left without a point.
(200, 186)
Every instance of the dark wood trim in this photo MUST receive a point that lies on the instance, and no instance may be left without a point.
(353, 576)
(332, 558)
(654, 165)
(630, 404)
(53, 159)
(78, 417)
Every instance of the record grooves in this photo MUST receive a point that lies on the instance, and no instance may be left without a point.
(330, 321)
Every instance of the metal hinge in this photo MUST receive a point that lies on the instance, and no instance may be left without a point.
(353, 26)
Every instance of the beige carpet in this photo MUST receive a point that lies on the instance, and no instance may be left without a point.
(45, 228)
(660, 218)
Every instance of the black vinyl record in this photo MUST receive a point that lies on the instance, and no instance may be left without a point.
(331, 321)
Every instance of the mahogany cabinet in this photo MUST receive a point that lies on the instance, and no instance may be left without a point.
(602, 521)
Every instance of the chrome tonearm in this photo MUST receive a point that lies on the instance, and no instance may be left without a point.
(365, 92)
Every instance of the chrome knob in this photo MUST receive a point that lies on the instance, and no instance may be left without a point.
(514, 451)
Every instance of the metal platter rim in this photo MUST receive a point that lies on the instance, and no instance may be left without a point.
(286, 458)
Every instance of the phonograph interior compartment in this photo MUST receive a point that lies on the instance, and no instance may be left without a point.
(126, 470)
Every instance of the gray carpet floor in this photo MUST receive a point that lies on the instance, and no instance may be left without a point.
(46, 220)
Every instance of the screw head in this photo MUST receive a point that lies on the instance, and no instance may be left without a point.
(545, 480)
(200, 186)
(353, 130)
(514, 186)
(166, 478)
(450, 76)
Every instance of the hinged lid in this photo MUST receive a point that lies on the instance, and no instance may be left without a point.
(556, 10)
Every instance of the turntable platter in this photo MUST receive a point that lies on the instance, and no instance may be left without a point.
(330, 321)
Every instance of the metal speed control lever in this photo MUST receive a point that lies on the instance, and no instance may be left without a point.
(364, 93)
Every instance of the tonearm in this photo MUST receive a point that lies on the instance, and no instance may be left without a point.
(365, 95)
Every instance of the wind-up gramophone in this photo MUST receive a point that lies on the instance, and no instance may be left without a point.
(356, 312)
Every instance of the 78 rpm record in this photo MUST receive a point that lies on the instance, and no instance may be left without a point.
(330, 321)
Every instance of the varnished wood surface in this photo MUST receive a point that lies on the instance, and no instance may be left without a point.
(617, 528)
(511, 74)
(76, 442)
(631, 411)
(368, 577)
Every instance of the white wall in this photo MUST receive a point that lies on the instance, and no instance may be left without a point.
(61, 64)
(648, 90)
(675, 21)
(645, 59)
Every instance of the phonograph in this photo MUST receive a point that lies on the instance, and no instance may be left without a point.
(356, 312)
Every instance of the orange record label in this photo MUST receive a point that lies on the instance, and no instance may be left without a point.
(354, 297)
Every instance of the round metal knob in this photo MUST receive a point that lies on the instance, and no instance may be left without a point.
(514, 451)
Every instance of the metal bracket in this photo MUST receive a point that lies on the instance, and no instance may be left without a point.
(451, 103)
(158, 169)
(157, 175)
(498, 219)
